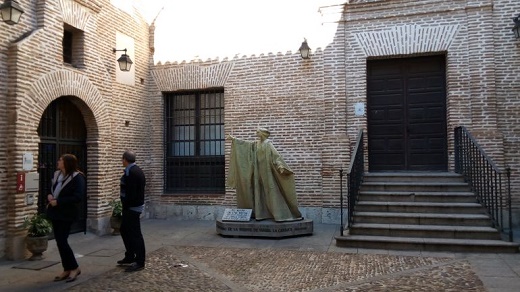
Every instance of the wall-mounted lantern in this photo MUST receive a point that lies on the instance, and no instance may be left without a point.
(11, 11)
(516, 28)
(124, 61)
(305, 51)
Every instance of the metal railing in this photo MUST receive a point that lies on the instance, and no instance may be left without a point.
(355, 173)
(484, 178)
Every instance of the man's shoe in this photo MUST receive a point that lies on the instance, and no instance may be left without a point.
(125, 261)
(134, 268)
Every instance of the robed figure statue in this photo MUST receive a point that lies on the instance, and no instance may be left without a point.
(263, 181)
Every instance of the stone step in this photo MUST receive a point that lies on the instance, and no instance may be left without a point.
(425, 231)
(408, 196)
(419, 207)
(427, 244)
(421, 211)
(422, 218)
(415, 186)
(413, 177)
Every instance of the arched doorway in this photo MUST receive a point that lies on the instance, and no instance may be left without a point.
(61, 130)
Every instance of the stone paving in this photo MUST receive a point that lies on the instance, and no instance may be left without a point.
(188, 255)
(189, 268)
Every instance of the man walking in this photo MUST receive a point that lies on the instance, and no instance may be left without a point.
(133, 182)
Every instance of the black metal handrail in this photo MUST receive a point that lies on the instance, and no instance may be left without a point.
(484, 178)
(355, 173)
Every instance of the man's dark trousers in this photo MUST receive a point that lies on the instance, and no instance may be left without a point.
(132, 236)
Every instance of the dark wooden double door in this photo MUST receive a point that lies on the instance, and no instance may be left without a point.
(406, 112)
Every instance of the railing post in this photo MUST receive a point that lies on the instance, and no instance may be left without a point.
(457, 151)
(341, 199)
(508, 172)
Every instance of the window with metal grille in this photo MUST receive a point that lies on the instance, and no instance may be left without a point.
(195, 142)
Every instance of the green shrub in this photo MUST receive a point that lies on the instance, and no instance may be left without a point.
(38, 225)
(117, 208)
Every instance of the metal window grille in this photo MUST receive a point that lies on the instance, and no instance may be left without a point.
(195, 142)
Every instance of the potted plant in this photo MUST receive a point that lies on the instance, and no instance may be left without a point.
(117, 215)
(38, 227)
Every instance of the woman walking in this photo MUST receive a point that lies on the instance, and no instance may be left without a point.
(68, 189)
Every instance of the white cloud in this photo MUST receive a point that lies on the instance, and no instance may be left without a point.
(204, 29)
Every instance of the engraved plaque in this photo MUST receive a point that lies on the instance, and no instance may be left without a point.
(237, 214)
(265, 228)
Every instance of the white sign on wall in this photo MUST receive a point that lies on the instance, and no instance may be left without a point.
(32, 182)
(28, 160)
(359, 109)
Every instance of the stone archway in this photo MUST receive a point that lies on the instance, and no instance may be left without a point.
(62, 130)
(24, 115)
(94, 109)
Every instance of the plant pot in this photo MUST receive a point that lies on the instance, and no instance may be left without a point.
(36, 245)
(115, 223)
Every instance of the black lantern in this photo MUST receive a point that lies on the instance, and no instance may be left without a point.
(11, 11)
(124, 61)
(305, 51)
(516, 28)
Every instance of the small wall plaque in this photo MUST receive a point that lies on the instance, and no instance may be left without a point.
(32, 181)
(359, 109)
(237, 214)
(27, 162)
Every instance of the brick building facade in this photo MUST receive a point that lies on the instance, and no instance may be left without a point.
(34, 73)
(308, 104)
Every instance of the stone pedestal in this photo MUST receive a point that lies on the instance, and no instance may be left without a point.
(264, 228)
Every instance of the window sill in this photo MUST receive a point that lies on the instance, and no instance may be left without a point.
(75, 66)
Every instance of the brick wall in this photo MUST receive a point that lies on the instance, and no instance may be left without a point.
(279, 91)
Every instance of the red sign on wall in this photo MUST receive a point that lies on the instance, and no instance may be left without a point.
(20, 182)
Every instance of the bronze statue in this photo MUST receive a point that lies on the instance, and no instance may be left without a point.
(263, 181)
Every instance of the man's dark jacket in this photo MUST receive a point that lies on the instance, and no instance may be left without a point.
(133, 188)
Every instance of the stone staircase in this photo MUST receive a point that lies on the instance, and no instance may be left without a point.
(421, 211)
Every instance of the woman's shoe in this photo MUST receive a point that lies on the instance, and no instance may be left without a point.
(73, 275)
(62, 276)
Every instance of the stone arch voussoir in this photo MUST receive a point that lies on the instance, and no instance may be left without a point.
(66, 83)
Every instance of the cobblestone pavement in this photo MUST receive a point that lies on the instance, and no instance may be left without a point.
(188, 255)
(189, 268)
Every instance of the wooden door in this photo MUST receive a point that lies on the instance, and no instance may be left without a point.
(406, 108)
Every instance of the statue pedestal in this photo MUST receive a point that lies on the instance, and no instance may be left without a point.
(264, 228)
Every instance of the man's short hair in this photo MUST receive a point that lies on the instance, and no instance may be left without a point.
(129, 156)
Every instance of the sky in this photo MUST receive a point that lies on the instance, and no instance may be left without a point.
(211, 29)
